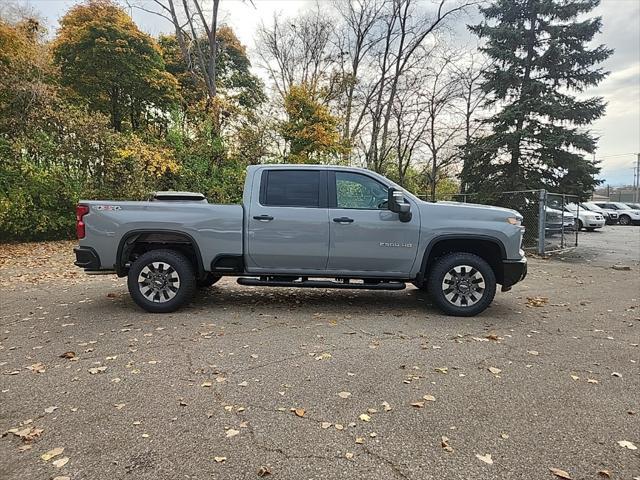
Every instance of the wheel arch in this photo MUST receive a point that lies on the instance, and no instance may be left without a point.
(141, 240)
(488, 248)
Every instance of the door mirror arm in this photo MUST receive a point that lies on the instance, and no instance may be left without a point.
(398, 204)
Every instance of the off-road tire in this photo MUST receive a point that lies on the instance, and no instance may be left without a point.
(479, 273)
(207, 281)
(168, 297)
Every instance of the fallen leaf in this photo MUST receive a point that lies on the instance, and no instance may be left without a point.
(52, 453)
(492, 336)
(537, 301)
(616, 374)
(604, 473)
(485, 458)
(62, 478)
(504, 435)
(494, 370)
(575, 377)
(95, 370)
(627, 444)
(264, 471)
(365, 418)
(37, 367)
(325, 425)
(445, 444)
(61, 462)
(591, 380)
(338, 426)
(429, 398)
(206, 384)
(219, 459)
(299, 412)
(68, 354)
(50, 409)
(349, 455)
(417, 404)
(119, 406)
(344, 394)
(359, 440)
(533, 352)
(386, 406)
(560, 473)
(232, 433)
(243, 384)
(442, 370)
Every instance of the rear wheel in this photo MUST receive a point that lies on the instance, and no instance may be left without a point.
(462, 284)
(161, 281)
(624, 220)
(580, 225)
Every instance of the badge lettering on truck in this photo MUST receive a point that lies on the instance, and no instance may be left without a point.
(396, 244)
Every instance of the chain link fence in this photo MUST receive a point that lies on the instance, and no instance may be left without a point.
(550, 219)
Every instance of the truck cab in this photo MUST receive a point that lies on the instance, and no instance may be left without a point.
(310, 226)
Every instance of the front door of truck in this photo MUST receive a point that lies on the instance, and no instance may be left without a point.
(288, 227)
(364, 235)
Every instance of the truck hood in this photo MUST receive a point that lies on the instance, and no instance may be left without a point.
(473, 210)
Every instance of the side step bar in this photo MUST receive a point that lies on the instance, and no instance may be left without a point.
(256, 282)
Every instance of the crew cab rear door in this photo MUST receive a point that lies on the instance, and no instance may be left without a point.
(366, 237)
(288, 225)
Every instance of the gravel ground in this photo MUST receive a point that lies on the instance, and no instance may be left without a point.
(250, 381)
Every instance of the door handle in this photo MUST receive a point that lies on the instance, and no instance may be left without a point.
(263, 218)
(343, 220)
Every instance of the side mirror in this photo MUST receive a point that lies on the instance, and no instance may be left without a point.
(397, 204)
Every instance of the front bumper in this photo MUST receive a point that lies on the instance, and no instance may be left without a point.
(513, 271)
(87, 258)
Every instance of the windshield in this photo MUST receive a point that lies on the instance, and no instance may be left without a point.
(591, 208)
(622, 206)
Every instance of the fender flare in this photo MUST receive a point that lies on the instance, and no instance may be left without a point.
(124, 241)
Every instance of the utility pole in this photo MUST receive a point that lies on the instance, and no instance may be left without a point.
(636, 180)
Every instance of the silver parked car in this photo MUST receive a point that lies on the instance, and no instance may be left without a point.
(610, 216)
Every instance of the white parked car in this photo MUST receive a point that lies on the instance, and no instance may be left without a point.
(626, 214)
(610, 216)
(585, 218)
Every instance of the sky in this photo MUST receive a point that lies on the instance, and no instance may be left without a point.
(618, 130)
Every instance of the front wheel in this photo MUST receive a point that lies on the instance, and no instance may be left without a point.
(624, 220)
(161, 281)
(462, 284)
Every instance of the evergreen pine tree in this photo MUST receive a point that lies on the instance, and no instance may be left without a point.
(539, 136)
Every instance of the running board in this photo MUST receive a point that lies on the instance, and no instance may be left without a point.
(256, 282)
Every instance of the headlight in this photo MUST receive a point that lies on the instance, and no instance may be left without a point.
(514, 221)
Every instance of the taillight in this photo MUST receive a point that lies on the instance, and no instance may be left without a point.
(81, 211)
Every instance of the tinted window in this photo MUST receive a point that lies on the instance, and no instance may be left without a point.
(288, 188)
(359, 191)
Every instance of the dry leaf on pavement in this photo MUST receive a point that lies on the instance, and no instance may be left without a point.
(365, 418)
(52, 453)
(627, 444)
(485, 458)
(219, 459)
(560, 473)
(494, 370)
(344, 394)
(61, 462)
(232, 433)
(299, 412)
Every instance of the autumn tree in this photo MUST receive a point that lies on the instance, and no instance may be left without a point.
(539, 137)
(310, 130)
(113, 66)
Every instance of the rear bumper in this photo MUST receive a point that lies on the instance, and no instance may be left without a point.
(87, 258)
(513, 271)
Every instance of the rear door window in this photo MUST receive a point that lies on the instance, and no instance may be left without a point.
(292, 188)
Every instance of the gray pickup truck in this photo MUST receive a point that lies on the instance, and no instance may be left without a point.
(304, 226)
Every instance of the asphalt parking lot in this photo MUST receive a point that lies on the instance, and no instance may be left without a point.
(321, 384)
